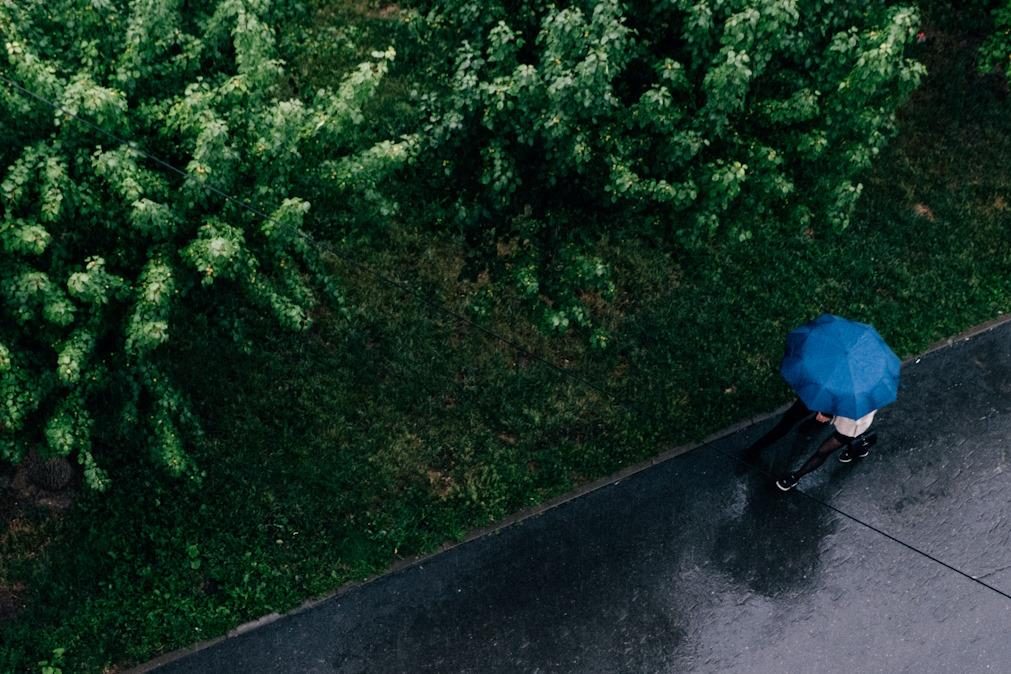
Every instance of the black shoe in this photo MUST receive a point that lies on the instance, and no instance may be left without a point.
(859, 448)
(787, 482)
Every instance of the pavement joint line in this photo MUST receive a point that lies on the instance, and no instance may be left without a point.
(961, 338)
(869, 526)
(887, 535)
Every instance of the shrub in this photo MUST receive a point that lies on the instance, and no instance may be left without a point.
(685, 122)
(106, 253)
(995, 54)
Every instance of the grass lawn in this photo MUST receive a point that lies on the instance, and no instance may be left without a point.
(387, 433)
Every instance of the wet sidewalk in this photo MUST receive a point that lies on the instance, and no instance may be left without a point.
(690, 567)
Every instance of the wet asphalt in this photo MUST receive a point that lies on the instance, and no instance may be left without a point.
(689, 566)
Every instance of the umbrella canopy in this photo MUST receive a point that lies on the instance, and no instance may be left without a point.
(840, 367)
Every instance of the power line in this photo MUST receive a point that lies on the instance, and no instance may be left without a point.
(628, 405)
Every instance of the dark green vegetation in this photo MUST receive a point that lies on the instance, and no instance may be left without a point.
(995, 53)
(380, 435)
(107, 255)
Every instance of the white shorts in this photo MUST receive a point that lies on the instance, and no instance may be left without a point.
(851, 428)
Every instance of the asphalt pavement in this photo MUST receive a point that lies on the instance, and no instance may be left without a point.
(899, 562)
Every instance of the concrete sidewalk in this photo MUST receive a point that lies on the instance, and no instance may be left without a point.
(687, 566)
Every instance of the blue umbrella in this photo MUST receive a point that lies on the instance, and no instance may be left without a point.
(840, 367)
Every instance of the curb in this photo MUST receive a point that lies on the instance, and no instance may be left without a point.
(536, 511)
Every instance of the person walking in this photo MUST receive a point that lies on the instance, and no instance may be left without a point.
(848, 433)
(847, 372)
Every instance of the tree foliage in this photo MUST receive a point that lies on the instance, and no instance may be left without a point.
(685, 121)
(105, 252)
(995, 54)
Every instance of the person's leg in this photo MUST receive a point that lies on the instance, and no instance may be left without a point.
(797, 413)
(831, 444)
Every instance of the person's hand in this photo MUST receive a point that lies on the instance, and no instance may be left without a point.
(822, 419)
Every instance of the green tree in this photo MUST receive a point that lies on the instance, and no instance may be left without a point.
(106, 253)
(995, 53)
(682, 122)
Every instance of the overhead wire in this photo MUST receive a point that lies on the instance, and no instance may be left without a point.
(633, 407)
